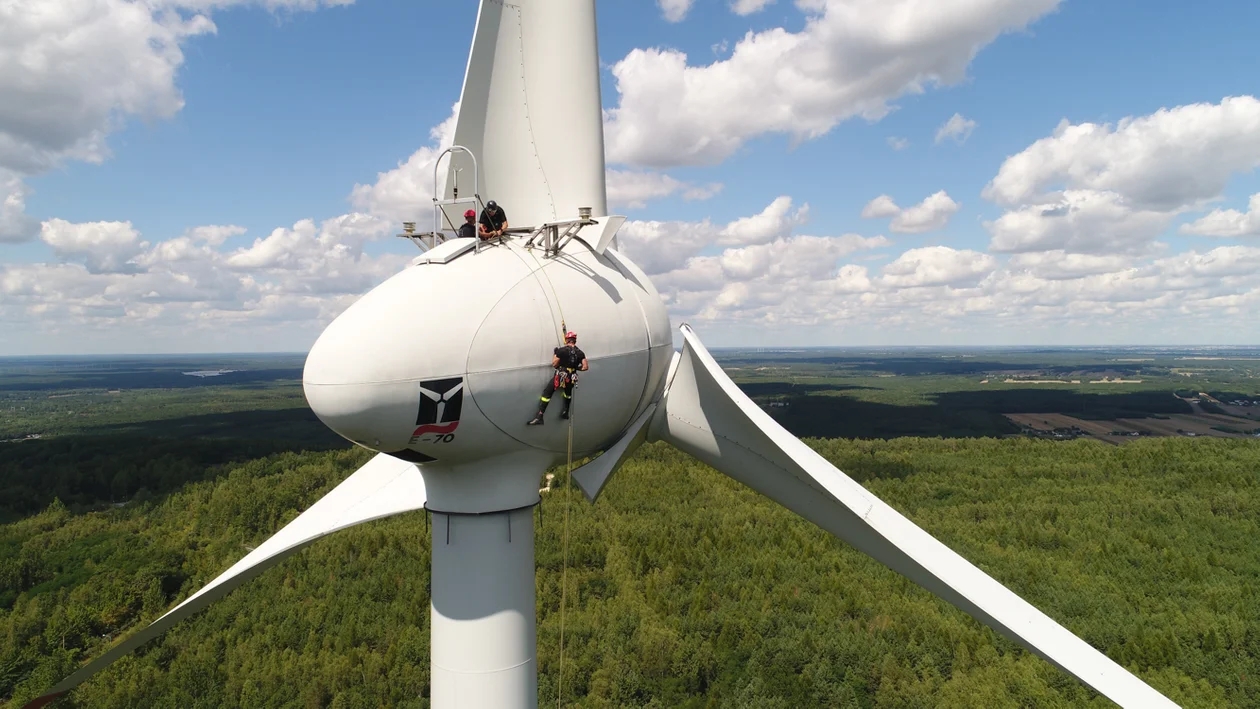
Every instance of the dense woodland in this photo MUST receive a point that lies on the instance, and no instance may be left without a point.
(685, 589)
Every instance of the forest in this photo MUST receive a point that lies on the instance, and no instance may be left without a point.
(126, 484)
(685, 589)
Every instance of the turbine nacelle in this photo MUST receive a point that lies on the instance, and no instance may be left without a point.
(442, 364)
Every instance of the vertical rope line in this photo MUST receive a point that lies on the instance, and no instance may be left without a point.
(564, 574)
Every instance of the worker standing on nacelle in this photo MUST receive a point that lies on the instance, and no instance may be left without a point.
(567, 360)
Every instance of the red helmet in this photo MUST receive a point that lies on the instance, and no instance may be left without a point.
(470, 213)
(570, 335)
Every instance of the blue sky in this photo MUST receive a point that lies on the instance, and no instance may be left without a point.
(286, 110)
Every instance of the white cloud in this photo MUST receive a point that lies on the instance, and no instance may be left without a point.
(74, 71)
(214, 235)
(634, 188)
(1059, 265)
(104, 247)
(15, 223)
(851, 59)
(1167, 160)
(880, 207)
(703, 192)
(406, 192)
(931, 214)
(898, 143)
(749, 7)
(956, 128)
(1099, 189)
(1228, 222)
(115, 282)
(937, 266)
(659, 246)
(674, 10)
(1083, 221)
(776, 220)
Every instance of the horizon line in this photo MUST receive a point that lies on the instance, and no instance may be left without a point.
(714, 348)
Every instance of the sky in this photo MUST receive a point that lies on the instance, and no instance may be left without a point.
(229, 175)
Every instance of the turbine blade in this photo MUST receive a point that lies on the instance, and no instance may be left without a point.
(593, 476)
(705, 414)
(384, 486)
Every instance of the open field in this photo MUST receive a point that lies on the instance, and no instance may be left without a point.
(1171, 425)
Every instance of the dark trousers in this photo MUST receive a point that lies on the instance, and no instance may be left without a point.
(563, 381)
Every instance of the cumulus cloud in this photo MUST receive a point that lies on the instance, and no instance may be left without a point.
(15, 223)
(1103, 188)
(634, 188)
(851, 59)
(661, 246)
(73, 71)
(931, 214)
(111, 278)
(749, 7)
(880, 207)
(1059, 265)
(937, 266)
(776, 220)
(104, 247)
(1083, 221)
(406, 192)
(1166, 160)
(675, 10)
(898, 143)
(1228, 222)
(956, 128)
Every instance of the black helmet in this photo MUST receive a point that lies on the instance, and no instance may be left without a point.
(491, 204)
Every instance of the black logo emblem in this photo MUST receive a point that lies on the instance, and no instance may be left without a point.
(441, 401)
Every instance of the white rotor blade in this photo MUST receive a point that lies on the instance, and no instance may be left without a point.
(384, 486)
(705, 414)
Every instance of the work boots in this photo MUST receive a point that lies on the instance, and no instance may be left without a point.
(538, 419)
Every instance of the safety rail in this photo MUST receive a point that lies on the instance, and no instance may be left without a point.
(438, 212)
(552, 240)
(547, 236)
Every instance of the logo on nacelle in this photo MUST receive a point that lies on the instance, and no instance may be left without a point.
(441, 401)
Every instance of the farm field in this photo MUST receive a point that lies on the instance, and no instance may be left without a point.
(1173, 425)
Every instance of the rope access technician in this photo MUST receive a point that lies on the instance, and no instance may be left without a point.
(567, 360)
(493, 221)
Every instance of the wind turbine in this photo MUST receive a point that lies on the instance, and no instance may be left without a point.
(439, 368)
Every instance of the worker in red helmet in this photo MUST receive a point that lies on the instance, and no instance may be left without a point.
(468, 230)
(567, 360)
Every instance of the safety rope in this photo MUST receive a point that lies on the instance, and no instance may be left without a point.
(564, 573)
(568, 480)
(552, 286)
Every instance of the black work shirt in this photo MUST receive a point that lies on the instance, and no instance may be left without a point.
(492, 222)
(467, 231)
(570, 356)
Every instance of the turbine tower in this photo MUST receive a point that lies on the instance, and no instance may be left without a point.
(439, 368)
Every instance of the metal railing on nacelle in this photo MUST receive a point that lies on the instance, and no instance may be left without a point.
(552, 240)
(548, 236)
(438, 235)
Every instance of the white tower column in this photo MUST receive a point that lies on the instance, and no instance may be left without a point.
(484, 630)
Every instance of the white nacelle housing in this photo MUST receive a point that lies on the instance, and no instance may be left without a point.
(443, 363)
